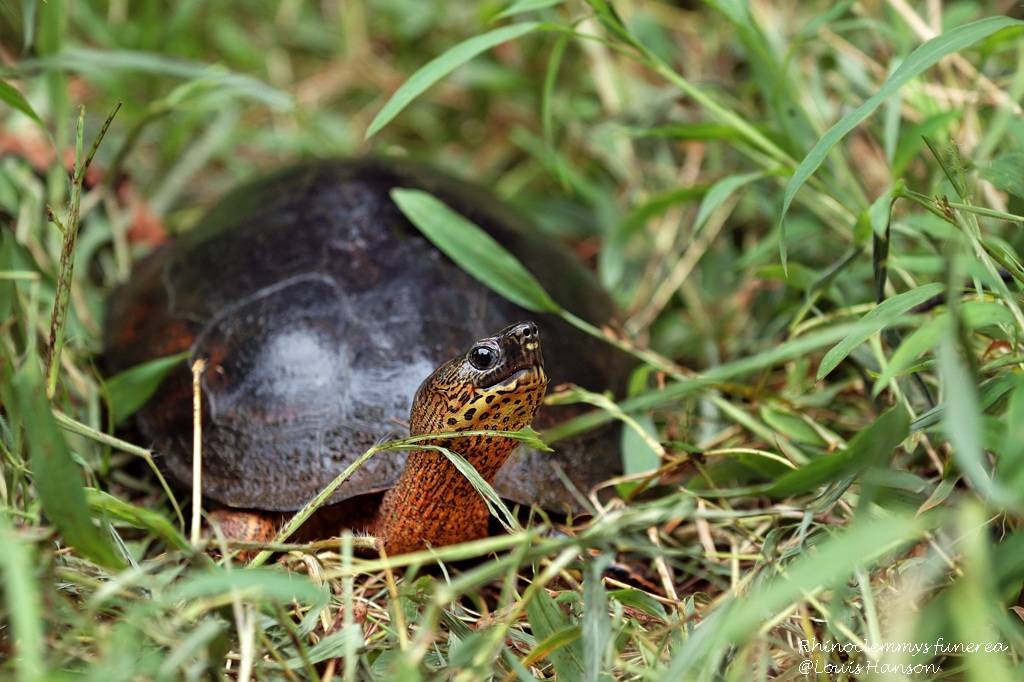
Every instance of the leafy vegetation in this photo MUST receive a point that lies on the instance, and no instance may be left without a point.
(809, 214)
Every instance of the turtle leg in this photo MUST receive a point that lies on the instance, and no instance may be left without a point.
(245, 525)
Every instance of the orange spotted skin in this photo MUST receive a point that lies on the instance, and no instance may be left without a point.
(250, 526)
(432, 503)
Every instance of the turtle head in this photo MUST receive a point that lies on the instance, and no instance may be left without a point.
(497, 384)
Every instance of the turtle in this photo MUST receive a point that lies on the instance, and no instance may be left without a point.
(319, 309)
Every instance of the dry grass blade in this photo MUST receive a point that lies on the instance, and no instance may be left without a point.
(69, 228)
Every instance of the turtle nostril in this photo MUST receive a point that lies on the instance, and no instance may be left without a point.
(522, 331)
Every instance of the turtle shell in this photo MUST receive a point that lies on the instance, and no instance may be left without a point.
(320, 309)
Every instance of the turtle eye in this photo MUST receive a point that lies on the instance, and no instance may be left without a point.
(483, 357)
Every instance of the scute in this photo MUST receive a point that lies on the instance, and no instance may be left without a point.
(320, 309)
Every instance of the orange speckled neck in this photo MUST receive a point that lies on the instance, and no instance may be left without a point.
(498, 386)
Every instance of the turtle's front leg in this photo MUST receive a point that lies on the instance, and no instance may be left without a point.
(246, 525)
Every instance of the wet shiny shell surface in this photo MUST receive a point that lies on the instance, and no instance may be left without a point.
(320, 309)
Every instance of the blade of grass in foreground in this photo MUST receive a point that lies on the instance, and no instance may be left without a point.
(256, 583)
(10, 96)
(474, 250)
(931, 331)
(24, 606)
(883, 315)
(719, 192)
(921, 59)
(552, 628)
(441, 66)
(490, 496)
(522, 6)
(57, 479)
(869, 447)
(138, 517)
(962, 423)
(597, 626)
(979, 607)
(130, 389)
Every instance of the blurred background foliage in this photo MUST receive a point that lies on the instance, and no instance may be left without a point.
(840, 460)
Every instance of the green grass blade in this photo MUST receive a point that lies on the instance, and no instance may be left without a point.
(130, 389)
(926, 337)
(526, 435)
(256, 584)
(482, 487)
(547, 121)
(10, 96)
(719, 192)
(24, 606)
(105, 503)
(8, 263)
(1011, 462)
(57, 479)
(333, 645)
(553, 629)
(911, 142)
(700, 130)
(880, 317)
(550, 645)
(922, 340)
(441, 66)
(523, 6)
(473, 250)
(978, 609)
(921, 59)
(638, 455)
(869, 447)
(641, 601)
(961, 418)
(597, 631)
(1006, 172)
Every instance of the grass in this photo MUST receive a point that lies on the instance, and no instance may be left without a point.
(809, 214)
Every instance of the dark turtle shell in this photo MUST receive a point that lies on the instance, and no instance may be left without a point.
(320, 309)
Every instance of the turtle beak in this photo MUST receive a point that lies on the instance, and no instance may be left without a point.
(520, 347)
(521, 356)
